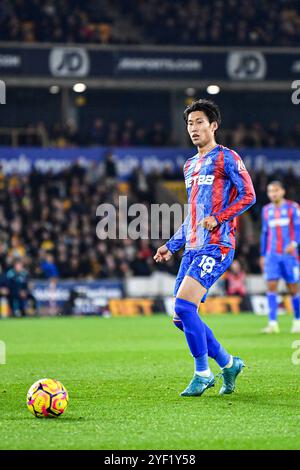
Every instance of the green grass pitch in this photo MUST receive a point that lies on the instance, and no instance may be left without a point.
(124, 376)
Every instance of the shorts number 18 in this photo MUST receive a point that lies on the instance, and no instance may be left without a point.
(207, 263)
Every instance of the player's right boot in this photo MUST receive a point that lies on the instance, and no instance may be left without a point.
(198, 385)
(271, 328)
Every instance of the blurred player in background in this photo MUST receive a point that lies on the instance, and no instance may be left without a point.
(219, 188)
(279, 252)
(16, 281)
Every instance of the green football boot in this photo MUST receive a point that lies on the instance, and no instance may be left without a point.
(229, 376)
(198, 385)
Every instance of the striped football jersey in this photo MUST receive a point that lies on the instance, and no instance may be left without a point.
(280, 227)
(217, 184)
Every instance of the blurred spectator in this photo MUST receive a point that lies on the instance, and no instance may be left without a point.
(17, 249)
(139, 266)
(141, 137)
(16, 281)
(97, 134)
(140, 184)
(158, 137)
(48, 267)
(110, 168)
(236, 280)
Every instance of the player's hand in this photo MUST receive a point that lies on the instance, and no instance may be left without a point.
(262, 262)
(209, 222)
(290, 248)
(163, 254)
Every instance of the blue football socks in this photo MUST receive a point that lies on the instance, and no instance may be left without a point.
(222, 358)
(213, 345)
(194, 331)
(215, 350)
(201, 363)
(272, 302)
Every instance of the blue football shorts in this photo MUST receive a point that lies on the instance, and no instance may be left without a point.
(205, 265)
(281, 266)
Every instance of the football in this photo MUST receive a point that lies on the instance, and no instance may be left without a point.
(47, 398)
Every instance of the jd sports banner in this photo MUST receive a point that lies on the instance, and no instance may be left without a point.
(130, 63)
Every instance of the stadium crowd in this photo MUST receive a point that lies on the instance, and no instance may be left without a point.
(193, 22)
(112, 133)
(130, 133)
(49, 222)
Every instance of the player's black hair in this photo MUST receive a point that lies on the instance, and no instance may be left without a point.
(209, 108)
(276, 183)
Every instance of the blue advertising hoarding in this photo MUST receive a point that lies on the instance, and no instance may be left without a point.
(75, 297)
(22, 159)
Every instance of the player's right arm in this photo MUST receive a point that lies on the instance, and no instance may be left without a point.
(263, 238)
(162, 254)
(178, 240)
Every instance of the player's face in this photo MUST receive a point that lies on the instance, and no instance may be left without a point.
(275, 193)
(200, 130)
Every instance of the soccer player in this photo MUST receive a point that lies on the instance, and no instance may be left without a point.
(280, 238)
(219, 188)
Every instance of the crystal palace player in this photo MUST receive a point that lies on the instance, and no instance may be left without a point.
(279, 251)
(219, 188)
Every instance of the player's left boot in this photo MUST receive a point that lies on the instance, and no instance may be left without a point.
(229, 375)
(198, 385)
(296, 326)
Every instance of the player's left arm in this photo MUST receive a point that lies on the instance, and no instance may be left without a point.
(239, 176)
(295, 223)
